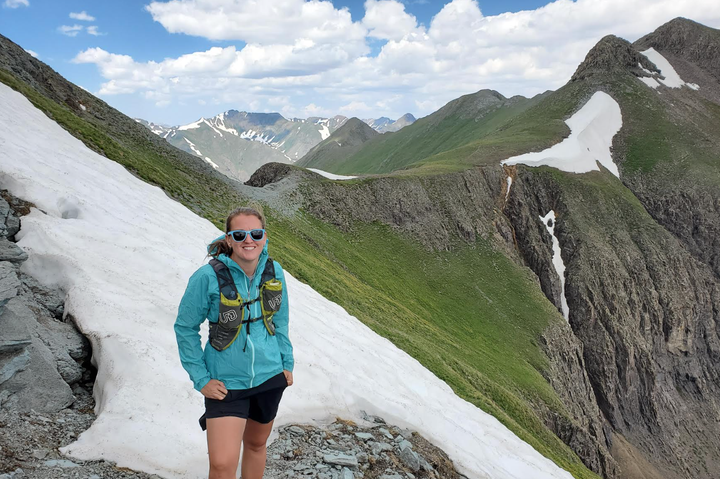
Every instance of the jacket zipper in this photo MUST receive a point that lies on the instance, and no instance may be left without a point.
(252, 346)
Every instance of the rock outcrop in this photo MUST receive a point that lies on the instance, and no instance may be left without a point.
(42, 355)
(439, 210)
(646, 312)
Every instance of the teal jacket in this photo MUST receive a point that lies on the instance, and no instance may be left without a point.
(264, 357)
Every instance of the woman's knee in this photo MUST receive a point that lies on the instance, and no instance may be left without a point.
(223, 467)
(255, 444)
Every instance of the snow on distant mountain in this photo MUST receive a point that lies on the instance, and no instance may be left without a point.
(237, 143)
(385, 124)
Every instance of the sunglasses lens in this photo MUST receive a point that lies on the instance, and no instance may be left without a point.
(239, 235)
(257, 235)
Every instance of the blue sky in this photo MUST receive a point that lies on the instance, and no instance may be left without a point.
(384, 59)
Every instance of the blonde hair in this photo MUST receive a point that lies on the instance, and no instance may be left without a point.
(220, 246)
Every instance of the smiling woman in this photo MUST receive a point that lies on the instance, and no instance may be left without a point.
(241, 291)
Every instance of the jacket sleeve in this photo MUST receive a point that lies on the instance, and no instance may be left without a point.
(193, 310)
(281, 320)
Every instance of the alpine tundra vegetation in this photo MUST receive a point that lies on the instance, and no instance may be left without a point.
(580, 309)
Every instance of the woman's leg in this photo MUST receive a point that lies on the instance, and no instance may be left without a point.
(255, 449)
(224, 435)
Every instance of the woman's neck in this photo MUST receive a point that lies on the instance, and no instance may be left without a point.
(248, 267)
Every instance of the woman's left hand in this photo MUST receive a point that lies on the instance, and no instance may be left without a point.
(288, 377)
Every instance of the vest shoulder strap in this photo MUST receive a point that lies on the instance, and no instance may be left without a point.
(225, 280)
(269, 271)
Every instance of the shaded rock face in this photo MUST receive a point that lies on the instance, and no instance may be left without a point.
(613, 54)
(647, 314)
(440, 210)
(434, 211)
(689, 40)
(42, 357)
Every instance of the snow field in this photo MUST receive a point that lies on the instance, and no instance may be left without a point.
(123, 251)
(592, 129)
(672, 79)
(331, 175)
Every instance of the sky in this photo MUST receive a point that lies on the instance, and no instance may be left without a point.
(174, 61)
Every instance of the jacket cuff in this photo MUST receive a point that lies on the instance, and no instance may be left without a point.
(201, 383)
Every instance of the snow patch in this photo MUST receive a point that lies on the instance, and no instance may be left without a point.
(193, 148)
(672, 79)
(649, 81)
(324, 132)
(214, 165)
(549, 222)
(509, 184)
(592, 130)
(253, 135)
(192, 126)
(82, 107)
(214, 129)
(331, 175)
(112, 258)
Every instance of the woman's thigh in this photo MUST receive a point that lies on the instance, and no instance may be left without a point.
(224, 435)
(256, 434)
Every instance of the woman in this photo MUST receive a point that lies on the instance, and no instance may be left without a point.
(248, 359)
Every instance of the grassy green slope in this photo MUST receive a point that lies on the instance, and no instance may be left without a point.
(668, 140)
(343, 143)
(473, 334)
(456, 312)
(450, 128)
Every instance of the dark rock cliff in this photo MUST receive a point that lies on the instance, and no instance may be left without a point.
(646, 312)
(638, 366)
(442, 210)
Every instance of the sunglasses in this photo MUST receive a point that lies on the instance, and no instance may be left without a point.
(240, 235)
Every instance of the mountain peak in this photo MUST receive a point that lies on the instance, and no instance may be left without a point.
(679, 35)
(686, 39)
(613, 55)
(354, 131)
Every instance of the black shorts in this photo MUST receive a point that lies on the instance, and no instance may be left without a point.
(259, 403)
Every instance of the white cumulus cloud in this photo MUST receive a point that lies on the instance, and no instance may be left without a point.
(318, 58)
(70, 30)
(93, 30)
(32, 53)
(82, 16)
(16, 3)
(388, 20)
(258, 21)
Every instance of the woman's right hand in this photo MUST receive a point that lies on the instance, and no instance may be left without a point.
(214, 389)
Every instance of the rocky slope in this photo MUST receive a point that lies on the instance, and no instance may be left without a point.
(42, 356)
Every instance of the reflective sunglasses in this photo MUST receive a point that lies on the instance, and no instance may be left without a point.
(240, 235)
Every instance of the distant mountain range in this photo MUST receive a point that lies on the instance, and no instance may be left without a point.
(236, 143)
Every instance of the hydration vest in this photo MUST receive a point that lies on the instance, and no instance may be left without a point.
(233, 307)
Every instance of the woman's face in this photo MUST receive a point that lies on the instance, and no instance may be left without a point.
(248, 250)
